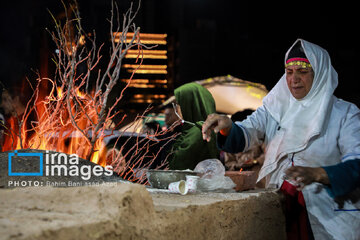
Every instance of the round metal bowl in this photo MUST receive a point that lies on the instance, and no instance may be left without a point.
(162, 178)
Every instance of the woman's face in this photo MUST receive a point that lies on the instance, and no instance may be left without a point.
(170, 116)
(299, 80)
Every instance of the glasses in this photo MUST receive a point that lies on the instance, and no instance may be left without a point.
(182, 120)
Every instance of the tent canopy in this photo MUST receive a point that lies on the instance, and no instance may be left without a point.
(232, 94)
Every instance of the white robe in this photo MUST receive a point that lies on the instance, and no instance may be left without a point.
(319, 130)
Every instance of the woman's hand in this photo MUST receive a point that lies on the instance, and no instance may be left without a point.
(303, 176)
(215, 122)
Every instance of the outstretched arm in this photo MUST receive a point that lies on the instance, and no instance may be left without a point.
(216, 122)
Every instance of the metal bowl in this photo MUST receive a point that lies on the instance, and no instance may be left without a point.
(162, 178)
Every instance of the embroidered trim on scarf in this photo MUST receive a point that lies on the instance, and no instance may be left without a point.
(298, 62)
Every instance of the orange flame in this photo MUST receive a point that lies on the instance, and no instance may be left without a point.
(47, 133)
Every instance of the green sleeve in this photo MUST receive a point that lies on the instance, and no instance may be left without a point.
(192, 149)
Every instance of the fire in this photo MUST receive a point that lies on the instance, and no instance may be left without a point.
(80, 94)
(59, 92)
(10, 137)
(47, 125)
(66, 116)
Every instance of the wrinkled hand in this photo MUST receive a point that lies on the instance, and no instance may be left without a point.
(215, 122)
(303, 176)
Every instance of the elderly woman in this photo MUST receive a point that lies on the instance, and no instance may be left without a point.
(193, 104)
(303, 124)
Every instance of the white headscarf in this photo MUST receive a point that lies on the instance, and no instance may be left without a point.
(300, 120)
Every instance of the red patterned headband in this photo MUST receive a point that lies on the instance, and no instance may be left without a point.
(304, 62)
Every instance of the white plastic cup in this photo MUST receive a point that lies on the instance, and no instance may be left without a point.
(178, 187)
(191, 182)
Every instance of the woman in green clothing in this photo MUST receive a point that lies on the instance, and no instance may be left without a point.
(193, 104)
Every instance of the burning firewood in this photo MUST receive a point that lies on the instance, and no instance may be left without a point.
(73, 113)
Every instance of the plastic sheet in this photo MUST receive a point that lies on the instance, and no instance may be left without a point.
(213, 176)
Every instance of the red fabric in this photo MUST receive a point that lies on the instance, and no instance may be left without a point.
(297, 226)
(297, 59)
(289, 189)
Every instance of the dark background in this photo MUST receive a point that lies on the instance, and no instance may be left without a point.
(246, 39)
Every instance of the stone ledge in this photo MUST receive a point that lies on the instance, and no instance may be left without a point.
(129, 211)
